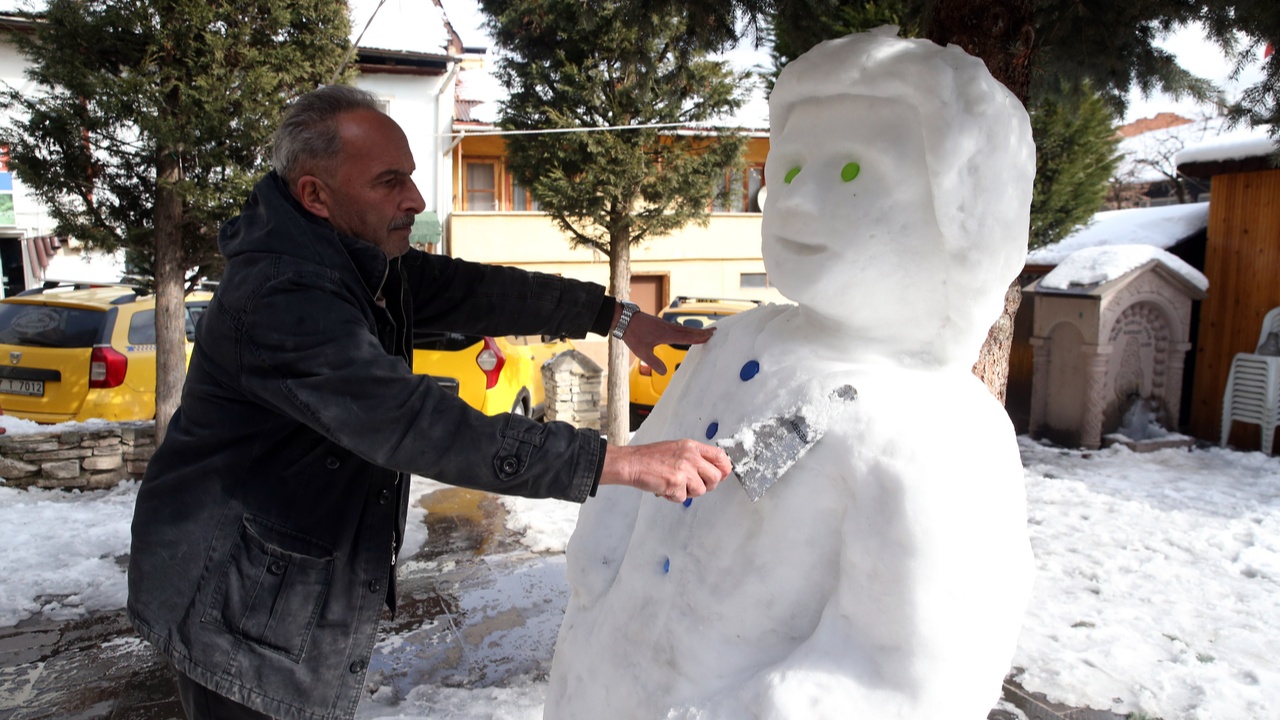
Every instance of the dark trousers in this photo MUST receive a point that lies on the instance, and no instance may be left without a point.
(201, 703)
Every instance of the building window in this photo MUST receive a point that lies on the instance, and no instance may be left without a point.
(753, 280)
(739, 190)
(480, 186)
(522, 200)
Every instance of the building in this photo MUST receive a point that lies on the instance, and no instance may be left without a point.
(1242, 263)
(494, 220)
(407, 54)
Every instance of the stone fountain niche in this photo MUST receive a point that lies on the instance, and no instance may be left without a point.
(1110, 355)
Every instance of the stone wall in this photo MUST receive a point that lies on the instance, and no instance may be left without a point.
(84, 459)
(572, 383)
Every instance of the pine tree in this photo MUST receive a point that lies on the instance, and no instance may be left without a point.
(1075, 159)
(575, 66)
(151, 126)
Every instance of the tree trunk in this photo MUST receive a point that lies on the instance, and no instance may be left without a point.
(1002, 35)
(617, 427)
(170, 277)
(993, 361)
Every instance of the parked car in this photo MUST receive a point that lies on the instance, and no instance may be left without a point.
(78, 352)
(491, 374)
(646, 386)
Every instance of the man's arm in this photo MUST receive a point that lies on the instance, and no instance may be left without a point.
(673, 469)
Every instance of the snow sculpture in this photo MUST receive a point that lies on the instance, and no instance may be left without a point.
(886, 574)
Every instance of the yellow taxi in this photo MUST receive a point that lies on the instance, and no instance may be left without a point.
(79, 352)
(646, 386)
(491, 374)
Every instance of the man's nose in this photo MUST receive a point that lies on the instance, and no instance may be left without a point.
(412, 201)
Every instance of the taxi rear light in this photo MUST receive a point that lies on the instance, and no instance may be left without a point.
(491, 361)
(107, 367)
(645, 370)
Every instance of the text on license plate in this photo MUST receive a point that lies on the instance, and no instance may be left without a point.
(22, 387)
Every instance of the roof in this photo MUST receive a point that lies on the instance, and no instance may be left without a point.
(412, 26)
(1159, 227)
(97, 296)
(1243, 152)
(1091, 270)
(1165, 144)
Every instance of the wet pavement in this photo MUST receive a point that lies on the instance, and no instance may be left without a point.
(476, 609)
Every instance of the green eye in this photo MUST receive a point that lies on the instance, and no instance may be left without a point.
(791, 175)
(850, 171)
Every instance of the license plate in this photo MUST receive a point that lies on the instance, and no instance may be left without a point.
(22, 387)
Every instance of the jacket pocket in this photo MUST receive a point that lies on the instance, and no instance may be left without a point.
(519, 437)
(271, 587)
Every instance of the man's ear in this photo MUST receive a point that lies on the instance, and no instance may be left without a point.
(314, 195)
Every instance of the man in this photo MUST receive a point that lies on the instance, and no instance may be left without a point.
(268, 523)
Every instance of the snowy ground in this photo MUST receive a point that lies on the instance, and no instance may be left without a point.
(1158, 588)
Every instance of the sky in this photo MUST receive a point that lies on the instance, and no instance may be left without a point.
(1157, 587)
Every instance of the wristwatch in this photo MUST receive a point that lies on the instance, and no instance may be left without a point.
(628, 309)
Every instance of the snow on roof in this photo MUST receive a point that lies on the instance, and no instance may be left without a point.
(1160, 227)
(1164, 147)
(1097, 265)
(1235, 147)
(479, 87)
(10, 7)
(416, 26)
(468, 21)
(88, 266)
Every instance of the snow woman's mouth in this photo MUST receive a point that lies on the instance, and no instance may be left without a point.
(802, 249)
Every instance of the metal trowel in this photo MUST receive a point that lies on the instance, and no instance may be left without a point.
(764, 452)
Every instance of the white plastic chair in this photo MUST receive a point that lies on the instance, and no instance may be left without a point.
(1253, 389)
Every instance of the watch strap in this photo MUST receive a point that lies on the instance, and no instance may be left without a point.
(628, 309)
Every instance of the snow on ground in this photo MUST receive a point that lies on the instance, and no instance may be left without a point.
(1158, 586)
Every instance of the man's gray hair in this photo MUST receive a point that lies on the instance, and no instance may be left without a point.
(309, 133)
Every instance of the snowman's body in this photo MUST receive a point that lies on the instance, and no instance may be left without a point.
(833, 587)
(886, 573)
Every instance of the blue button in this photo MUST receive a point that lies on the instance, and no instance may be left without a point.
(688, 502)
(712, 429)
(749, 370)
(666, 565)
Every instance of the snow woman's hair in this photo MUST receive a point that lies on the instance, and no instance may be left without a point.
(977, 143)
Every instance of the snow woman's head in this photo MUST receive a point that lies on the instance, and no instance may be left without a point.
(899, 178)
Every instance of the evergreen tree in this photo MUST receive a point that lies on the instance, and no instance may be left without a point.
(151, 125)
(575, 66)
(1075, 159)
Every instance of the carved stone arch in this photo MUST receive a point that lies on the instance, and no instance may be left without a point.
(1142, 338)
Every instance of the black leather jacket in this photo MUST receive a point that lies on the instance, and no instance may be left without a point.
(268, 521)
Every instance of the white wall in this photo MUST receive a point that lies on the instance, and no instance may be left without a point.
(422, 106)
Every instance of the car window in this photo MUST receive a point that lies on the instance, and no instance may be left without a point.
(142, 328)
(444, 341)
(50, 325)
(194, 311)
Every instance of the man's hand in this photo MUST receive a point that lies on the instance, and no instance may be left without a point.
(646, 331)
(673, 469)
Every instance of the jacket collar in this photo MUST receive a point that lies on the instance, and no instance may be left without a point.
(274, 222)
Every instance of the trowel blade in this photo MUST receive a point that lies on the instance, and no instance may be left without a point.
(776, 445)
(771, 448)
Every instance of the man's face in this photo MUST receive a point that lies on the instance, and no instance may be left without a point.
(366, 191)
